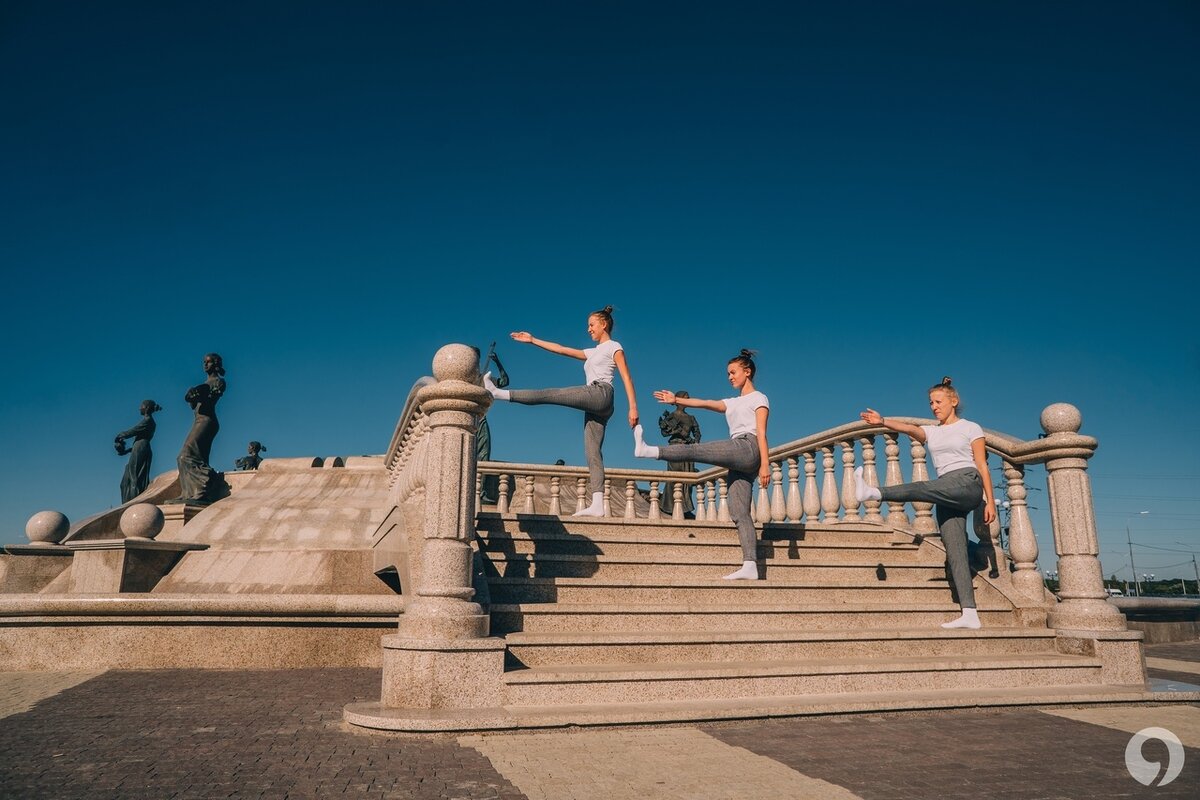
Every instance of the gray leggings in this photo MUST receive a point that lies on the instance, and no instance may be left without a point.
(596, 401)
(740, 456)
(956, 494)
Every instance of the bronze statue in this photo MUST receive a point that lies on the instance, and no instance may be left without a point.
(198, 481)
(252, 458)
(483, 435)
(137, 471)
(679, 427)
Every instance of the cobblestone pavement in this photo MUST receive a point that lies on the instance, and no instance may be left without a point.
(278, 734)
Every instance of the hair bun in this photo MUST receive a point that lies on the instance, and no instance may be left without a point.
(608, 309)
(946, 381)
(748, 353)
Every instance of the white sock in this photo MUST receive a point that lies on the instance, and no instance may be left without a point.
(498, 393)
(864, 491)
(969, 619)
(640, 448)
(748, 572)
(596, 509)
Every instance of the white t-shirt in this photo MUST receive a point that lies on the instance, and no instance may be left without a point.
(739, 412)
(950, 445)
(598, 364)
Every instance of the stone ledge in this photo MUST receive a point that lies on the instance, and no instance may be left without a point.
(148, 604)
(407, 720)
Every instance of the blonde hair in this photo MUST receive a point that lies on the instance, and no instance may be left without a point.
(947, 386)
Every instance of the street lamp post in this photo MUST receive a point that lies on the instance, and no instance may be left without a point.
(1132, 566)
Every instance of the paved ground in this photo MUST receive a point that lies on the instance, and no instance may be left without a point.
(264, 734)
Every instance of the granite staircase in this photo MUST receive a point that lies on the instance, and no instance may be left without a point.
(605, 614)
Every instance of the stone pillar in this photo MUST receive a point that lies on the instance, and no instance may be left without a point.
(442, 607)
(1084, 605)
(440, 660)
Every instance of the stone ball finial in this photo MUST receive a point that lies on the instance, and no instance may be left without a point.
(456, 362)
(47, 527)
(1061, 418)
(142, 521)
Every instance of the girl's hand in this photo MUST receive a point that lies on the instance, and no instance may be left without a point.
(522, 336)
(871, 417)
(633, 418)
(764, 476)
(663, 396)
(989, 513)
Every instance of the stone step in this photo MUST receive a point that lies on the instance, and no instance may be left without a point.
(611, 683)
(712, 592)
(681, 545)
(545, 527)
(508, 718)
(586, 617)
(846, 569)
(547, 649)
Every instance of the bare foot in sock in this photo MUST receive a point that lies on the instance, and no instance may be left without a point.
(596, 509)
(748, 572)
(496, 392)
(864, 491)
(969, 619)
(640, 448)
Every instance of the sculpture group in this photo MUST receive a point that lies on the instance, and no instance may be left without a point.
(199, 483)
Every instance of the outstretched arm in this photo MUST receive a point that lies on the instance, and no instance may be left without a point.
(875, 418)
(623, 368)
(671, 399)
(553, 347)
(979, 451)
(764, 468)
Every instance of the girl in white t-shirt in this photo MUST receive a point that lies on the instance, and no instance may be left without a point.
(959, 451)
(744, 453)
(595, 398)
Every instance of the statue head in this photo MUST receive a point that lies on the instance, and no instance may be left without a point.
(213, 365)
(254, 448)
(681, 393)
(148, 407)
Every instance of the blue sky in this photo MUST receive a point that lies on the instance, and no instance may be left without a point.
(870, 194)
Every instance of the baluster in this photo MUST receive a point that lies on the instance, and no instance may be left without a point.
(793, 508)
(849, 493)
(897, 517)
(701, 506)
(760, 506)
(479, 490)
(1022, 544)
(653, 511)
(871, 477)
(607, 497)
(710, 489)
(502, 504)
(812, 498)
(723, 503)
(677, 502)
(630, 488)
(778, 507)
(582, 498)
(923, 522)
(529, 494)
(830, 502)
(555, 502)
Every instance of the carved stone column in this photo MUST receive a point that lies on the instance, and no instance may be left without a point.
(442, 607)
(440, 659)
(1084, 605)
